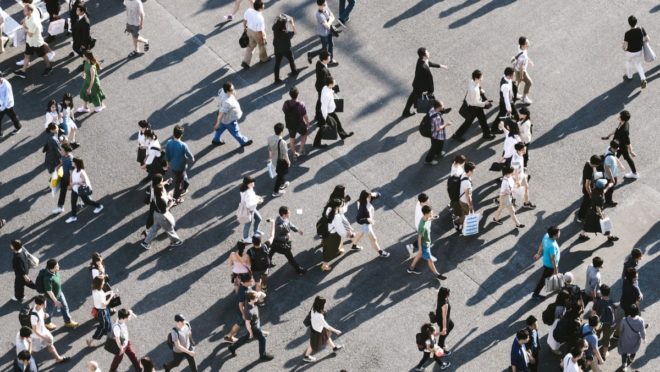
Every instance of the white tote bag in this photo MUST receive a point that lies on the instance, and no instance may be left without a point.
(19, 38)
(56, 27)
(518, 193)
(271, 169)
(554, 283)
(649, 55)
(471, 224)
(605, 225)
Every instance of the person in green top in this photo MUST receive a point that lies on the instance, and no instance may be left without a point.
(55, 296)
(91, 89)
(424, 243)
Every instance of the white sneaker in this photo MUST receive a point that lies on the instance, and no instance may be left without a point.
(99, 209)
(410, 249)
(50, 56)
(82, 109)
(433, 258)
(20, 63)
(632, 175)
(527, 101)
(58, 210)
(71, 219)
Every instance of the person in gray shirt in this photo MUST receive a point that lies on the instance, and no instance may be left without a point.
(278, 155)
(183, 347)
(324, 21)
(228, 114)
(593, 280)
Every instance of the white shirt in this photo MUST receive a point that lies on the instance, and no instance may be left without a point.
(38, 320)
(52, 117)
(79, 177)
(255, 20)
(465, 186)
(418, 214)
(526, 131)
(522, 61)
(518, 165)
(569, 365)
(250, 199)
(506, 186)
(473, 95)
(98, 297)
(456, 170)
(21, 343)
(6, 95)
(152, 153)
(510, 144)
(96, 272)
(318, 321)
(327, 101)
(142, 140)
(338, 225)
(507, 93)
(120, 330)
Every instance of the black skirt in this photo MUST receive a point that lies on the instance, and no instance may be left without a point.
(318, 340)
(331, 246)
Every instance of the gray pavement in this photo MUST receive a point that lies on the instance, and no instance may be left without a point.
(577, 92)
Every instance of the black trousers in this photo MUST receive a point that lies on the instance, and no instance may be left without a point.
(435, 151)
(322, 122)
(412, 99)
(426, 357)
(494, 126)
(64, 186)
(584, 206)
(178, 358)
(547, 272)
(180, 183)
(282, 168)
(623, 150)
(610, 192)
(19, 287)
(474, 113)
(85, 199)
(285, 249)
(441, 338)
(12, 116)
(526, 154)
(278, 61)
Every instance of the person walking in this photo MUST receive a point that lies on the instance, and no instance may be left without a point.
(259, 257)
(183, 347)
(34, 42)
(533, 346)
(520, 356)
(622, 135)
(423, 80)
(282, 45)
(246, 285)
(178, 155)
(239, 263)
(120, 335)
(134, 24)
(443, 318)
(68, 124)
(329, 117)
(631, 295)
(41, 336)
(229, 111)
(279, 155)
(80, 33)
(507, 108)
(429, 347)
(365, 217)
(282, 242)
(7, 104)
(588, 332)
(476, 101)
(91, 91)
(338, 229)
(632, 332)
(142, 143)
(633, 42)
(319, 331)
(593, 281)
(345, 9)
(66, 163)
(324, 29)
(253, 326)
(588, 184)
(237, 7)
(52, 149)
(604, 308)
(21, 267)
(521, 67)
(296, 121)
(251, 201)
(612, 167)
(505, 198)
(52, 284)
(424, 243)
(549, 250)
(81, 187)
(525, 126)
(24, 361)
(161, 202)
(520, 175)
(422, 200)
(438, 132)
(255, 25)
(101, 300)
(154, 162)
(596, 214)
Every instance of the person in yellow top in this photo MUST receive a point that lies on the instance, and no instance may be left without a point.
(34, 42)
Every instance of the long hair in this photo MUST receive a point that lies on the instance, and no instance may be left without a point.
(67, 97)
(92, 60)
(97, 260)
(319, 305)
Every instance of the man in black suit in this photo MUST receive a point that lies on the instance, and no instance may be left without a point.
(423, 81)
(81, 32)
(322, 75)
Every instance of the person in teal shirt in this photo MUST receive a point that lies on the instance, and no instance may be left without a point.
(424, 242)
(549, 250)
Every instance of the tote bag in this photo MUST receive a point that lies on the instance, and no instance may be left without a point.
(605, 225)
(243, 213)
(271, 169)
(649, 55)
(471, 224)
(554, 283)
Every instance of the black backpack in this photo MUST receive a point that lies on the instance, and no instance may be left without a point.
(24, 315)
(548, 315)
(426, 125)
(159, 163)
(259, 258)
(421, 342)
(454, 187)
(565, 330)
(170, 341)
(322, 226)
(39, 282)
(292, 119)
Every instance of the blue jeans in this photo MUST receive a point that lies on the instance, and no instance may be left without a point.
(105, 324)
(345, 11)
(50, 308)
(326, 44)
(256, 218)
(233, 130)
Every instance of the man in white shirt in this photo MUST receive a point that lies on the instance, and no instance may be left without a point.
(256, 31)
(7, 104)
(34, 42)
(476, 101)
(328, 115)
(465, 199)
(507, 108)
(521, 63)
(229, 111)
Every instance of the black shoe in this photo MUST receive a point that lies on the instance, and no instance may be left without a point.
(309, 58)
(537, 297)
(407, 114)
(611, 204)
(245, 65)
(348, 135)
(279, 81)
(74, 145)
(321, 146)
(219, 143)
(47, 71)
(489, 137)
(72, 54)
(232, 351)
(459, 139)
(294, 72)
(302, 271)
(267, 357)
(49, 38)
(248, 143)
(441, 277)
(165, 368)
(20, 74)
(497, 131)
(447, 110)
(272, 265)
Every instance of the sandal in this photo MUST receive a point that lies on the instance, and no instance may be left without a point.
(497, 222)
(326, 267)
(583, 237)
(146, 46)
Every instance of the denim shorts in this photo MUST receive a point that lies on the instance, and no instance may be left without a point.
(366, 228)
(426, 252)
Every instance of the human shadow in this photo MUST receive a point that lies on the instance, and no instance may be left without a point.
(649, 243)
(413, 11)
(655, 9)
(457, 8)
(488, 7)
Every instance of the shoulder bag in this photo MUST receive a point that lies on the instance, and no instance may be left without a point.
(244, 40)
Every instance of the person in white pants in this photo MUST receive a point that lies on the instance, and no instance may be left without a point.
(633, 43)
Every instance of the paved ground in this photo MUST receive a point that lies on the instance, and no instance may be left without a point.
(577, 92)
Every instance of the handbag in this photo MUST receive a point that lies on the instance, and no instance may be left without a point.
(56, 27)
(94, 313)
(307, 322)
(464, 111)
(270, 169)
(32, 261)
(244, 40)
(111, 345)
(554, 283)
(329, 130)
(424, 103)
(84, 190)
(243, 213)
(605, 225)
(496, 167)
(114, 302)
(471, 224)
(339, 105)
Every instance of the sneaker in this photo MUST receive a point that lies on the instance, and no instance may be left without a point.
(58, 210)
(309, 58)
(50, 326)
(145, 245)
(248, 143)
(333, 63)
(643, 84)
(16, 299)
(356, 248)
(309, 359)
(20, 74)
(433, 259)
(71, 324)
(286, 184)
(20, 63)
(82, 109)
(383, 254)
(432, 162)
(71, 219)
(276, 194)
(17, 131)
(230, 339)
(447, 353)
(413, 271)
(50, 56)
(418, 369)
(302, 271)
(527, 101)
(245, 65)
(229, 17)
(146, 46)
(631, 175)
(267, 357)
(444, 365)
(529, 205)
(441, 277)
(177, 243)
(217, 143)
(337, 348)
(99, 209)
(99, 109)
(410, 248)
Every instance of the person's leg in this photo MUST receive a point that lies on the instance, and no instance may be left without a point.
(415, 260)
(241, 341)
(168, 223)
(292, 61)
(608, 329)
(246, 230)
(547, 272)
(610, 192)
(153, 230)
(432, 267)
(629, 64)
(412, 100)
(584, 206)
(279, 181)
(65, 308)
(19, 287)
(257, 221)
(50, 310)
(263, 53)
(74, 203)
(512, 212)
(102, 325)
(340, 129)
(289, 257)
(637, 60)
(528, 83)
(262, 340)
(218, 133)
(14, 118)
(276, 69)
(130, 352)
(236, 133)
(178, 180)
(526, 155)
(331, 47)
(466, 124)
(626, 155)
(433, 151)
(483, 123)
(374, 242)
(176, 360)
(191, 363)
(64, 188)
(250, 48)
(426, 357)
(116, 361)
(88, 201)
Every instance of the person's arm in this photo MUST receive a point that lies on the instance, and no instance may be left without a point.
(554, 263)
(272, 232)
(217, 120)
(599, 357)
(141, 16)
(468, 197)
(92, 75)
(587, 186)
(419, 239)
(443, 331)
(324, 105)
(122, 348)
(506, 90)
(539, 252)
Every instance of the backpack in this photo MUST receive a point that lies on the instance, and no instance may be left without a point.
(421, 342)
(39, 282)
(548, 315)
(24, 315)
(170, 341)
(566, 328)
(259, 258)
(292, 118)
(322, 226)
(159, 163)
(426, 125)
(454, 187)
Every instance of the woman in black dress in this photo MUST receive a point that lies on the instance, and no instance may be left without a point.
(282, 45)
(595, 213)
(443, 318)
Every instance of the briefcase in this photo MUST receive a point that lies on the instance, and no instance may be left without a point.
(339, 105)
(424, 103)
